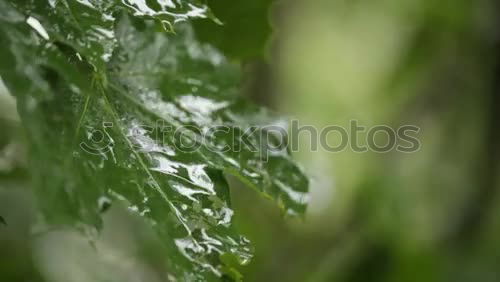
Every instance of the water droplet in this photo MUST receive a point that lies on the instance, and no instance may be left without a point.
(37, 26)
(104, 203)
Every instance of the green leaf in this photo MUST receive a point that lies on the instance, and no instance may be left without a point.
(87, 25)
(124, 118)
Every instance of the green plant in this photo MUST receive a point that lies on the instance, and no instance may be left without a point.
(76, 65)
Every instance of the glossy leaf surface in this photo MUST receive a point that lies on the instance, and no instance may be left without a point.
(115, 109)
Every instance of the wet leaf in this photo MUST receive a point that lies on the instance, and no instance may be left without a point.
(87, 25)
(132, 115)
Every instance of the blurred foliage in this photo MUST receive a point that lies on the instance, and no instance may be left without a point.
(242, 29)
(425, 216)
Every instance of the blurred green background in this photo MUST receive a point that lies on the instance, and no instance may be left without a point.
(432, 215)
